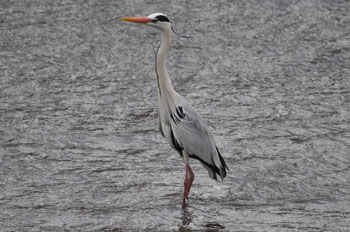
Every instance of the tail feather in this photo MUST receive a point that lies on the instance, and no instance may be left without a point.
(212, 168)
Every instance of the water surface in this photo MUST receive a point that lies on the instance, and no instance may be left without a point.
(79, 145)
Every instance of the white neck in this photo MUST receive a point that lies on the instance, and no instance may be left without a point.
(164, 82)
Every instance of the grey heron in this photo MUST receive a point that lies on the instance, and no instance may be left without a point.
(178, 121)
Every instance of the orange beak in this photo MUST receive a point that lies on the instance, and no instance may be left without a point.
(137, 19)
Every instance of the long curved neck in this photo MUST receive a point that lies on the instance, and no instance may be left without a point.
(164, 82)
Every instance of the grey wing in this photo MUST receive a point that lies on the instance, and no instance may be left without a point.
(193, 136)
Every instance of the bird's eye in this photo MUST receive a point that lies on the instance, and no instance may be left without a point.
(154, 20)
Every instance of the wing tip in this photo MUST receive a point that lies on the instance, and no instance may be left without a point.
(223, 167)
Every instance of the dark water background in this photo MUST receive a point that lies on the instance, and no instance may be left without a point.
(79, 145)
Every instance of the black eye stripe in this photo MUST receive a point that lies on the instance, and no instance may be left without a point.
(162, 18)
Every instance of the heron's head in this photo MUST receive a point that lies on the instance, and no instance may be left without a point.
(157, 20)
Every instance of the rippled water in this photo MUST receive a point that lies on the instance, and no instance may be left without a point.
(79, 146)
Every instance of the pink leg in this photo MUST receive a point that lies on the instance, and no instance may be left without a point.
(189, 177)
(185, 190)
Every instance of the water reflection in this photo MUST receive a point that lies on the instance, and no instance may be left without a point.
(186, 217)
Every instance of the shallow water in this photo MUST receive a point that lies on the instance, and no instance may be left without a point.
(80, 149)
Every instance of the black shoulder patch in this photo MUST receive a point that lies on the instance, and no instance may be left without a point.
(180, 112)
(162, 18)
